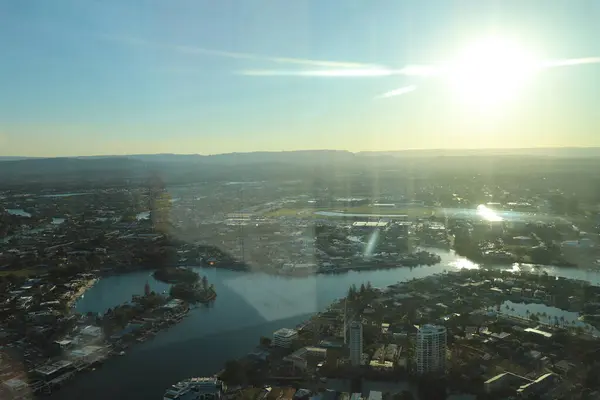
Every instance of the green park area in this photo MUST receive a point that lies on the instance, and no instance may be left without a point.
(309, 212)
(19, 272)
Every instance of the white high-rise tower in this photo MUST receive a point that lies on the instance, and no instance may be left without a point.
(356, 343)
(431, 349)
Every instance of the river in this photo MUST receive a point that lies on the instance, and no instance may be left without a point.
(249, 305)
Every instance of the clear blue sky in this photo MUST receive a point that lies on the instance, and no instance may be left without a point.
(128, 76)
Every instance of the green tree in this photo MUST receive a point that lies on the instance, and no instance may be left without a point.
(128, 216)
(234, 373)
(534, 318)
(352, 291)
(404, 395)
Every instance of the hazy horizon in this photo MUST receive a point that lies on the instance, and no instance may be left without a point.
(450, 151)
(115, 78)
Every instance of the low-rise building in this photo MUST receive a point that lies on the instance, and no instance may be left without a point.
(91, 331)
(16, 387)
(300, 358)
(375, 395)
(503, 381)
(539, 332)
(284, 337)
(540, 384)
(50, 371)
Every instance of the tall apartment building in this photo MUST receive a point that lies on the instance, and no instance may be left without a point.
(355, 342)
(431, 349)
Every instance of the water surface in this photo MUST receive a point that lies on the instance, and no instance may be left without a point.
(18, 211)
(64, 194)
(248, 306)
(142, 215)
(566, 318)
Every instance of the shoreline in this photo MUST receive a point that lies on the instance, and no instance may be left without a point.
(217, 368)
(113, 347)
(81, 291)
(269, 271)
(340, 270)
(506, 297)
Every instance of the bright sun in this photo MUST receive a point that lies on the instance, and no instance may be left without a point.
(490, 72)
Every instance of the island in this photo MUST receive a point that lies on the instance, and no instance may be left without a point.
(187, 284)
(197, 292)
(176, 275)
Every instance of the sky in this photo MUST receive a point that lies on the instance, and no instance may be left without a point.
(89, 77)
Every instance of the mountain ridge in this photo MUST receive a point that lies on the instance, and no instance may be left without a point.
(541, 151)
(124, 171)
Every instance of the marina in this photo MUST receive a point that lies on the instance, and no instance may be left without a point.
(89, 346)
(196, 389)
(54, 375)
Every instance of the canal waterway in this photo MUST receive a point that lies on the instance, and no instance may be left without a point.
(248, 306)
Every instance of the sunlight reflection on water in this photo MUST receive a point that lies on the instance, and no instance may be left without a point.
(488, 214)
(463, 263)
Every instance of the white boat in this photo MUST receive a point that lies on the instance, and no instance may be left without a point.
(209, 388)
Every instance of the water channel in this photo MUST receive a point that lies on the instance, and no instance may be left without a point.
(249, 305)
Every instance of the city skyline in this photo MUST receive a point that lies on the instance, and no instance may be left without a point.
(114, 78)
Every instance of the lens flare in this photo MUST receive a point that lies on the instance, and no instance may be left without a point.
(491, 71)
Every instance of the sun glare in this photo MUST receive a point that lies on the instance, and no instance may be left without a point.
(491, 71)
(488, 214)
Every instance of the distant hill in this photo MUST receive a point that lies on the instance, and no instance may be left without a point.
(66, 164)
(302, 156)
(61, 170)
(249, 158)
(9, 158)
(140, 169)
(318, 156)
(341, 155)
(311, 164)
(563, 152)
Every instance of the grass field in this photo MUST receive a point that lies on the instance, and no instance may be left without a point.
(19, 272)
(411, 212)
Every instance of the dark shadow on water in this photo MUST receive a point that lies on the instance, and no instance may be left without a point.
(198, 346)
(146, 373)
(249, 305)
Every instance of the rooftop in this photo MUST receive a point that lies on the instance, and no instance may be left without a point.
(86, 351)
(49, 369)
(539, 332)
(428, 328)
(285, 332)
(370, 224)
(375, 395)
(304, 351)
(91, 330)
(15, 384)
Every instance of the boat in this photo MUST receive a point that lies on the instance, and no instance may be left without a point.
(207, 388)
